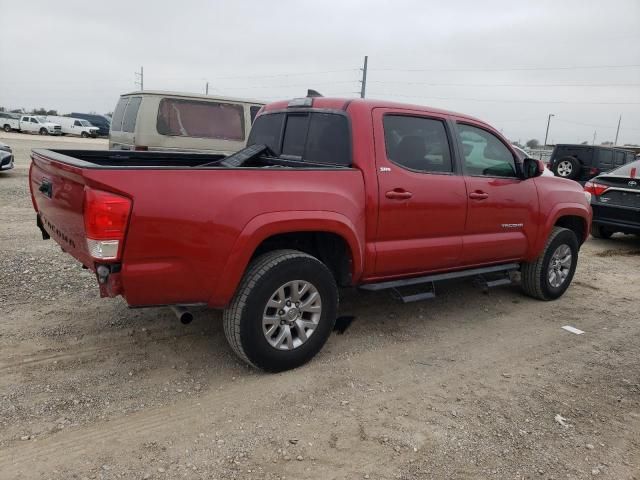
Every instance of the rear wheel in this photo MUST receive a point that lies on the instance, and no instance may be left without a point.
(7, 128)
(598, 231)
(567, 167)
(549, 276)
(43, 131)
(283, 311)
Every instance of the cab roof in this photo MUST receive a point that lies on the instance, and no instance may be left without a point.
(164, 93)
(333, 103)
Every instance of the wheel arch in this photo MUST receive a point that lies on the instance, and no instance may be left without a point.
(329, 236)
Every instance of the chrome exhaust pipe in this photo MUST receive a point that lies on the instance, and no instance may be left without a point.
(183, 314)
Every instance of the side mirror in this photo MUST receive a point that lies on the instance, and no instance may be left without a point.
(532, 167)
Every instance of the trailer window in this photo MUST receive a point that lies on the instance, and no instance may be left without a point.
(192, 118)
(118, 114)
(131, 114)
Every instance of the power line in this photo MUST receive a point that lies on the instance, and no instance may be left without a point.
(431, 84)
(502, 69)
(507, 101)
(289, 74)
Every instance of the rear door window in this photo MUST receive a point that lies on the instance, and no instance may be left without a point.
(417, 143)
(605, 157)
(131, 114)
(200, 119)
(618, 158)
(118, 114)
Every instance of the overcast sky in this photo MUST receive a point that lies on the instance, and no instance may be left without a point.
(508, 62)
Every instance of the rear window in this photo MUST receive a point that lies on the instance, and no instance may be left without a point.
(619, 158)
(118, 114)
(131, 114)
(313, 137)
(267, 130)
(295, 135)
(192, 118)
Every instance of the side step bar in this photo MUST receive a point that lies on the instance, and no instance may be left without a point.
(396, 285)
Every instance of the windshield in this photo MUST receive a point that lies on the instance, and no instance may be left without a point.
(84, 123)
(41, 119)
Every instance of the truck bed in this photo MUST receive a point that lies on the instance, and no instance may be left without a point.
(114, 159)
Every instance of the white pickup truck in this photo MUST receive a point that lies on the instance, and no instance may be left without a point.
(9, 121)
(38, 124)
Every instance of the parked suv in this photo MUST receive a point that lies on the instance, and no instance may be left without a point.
(583, 162)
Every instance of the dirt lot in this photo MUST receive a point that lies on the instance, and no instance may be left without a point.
(468, 385)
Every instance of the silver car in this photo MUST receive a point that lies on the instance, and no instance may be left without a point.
(6, 157)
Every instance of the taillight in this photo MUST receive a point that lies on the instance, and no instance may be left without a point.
(106, 216)
(633, 172)
(595, 188)
(141, 148)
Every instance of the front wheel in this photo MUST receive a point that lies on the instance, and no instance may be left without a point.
(283, 311)
(84, 134)
(549, 276)
(44, 131)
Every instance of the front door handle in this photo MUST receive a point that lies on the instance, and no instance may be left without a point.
(398, 194)
(478, 195)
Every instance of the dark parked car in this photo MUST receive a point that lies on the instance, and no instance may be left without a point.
(583, 162)
(615, 201)
(103, 123)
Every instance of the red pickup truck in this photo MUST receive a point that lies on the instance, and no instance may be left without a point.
(329, 193)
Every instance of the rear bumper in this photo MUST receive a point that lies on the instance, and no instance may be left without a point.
(618, 218)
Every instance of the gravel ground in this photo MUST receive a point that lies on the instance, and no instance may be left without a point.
(468, 385)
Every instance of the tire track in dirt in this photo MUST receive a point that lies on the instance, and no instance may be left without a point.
(187, 416)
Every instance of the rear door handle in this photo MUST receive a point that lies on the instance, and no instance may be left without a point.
(478, 195)
(398, 194)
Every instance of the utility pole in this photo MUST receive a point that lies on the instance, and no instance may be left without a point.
(617, 131)
(141, 77)
(363, 89)
(547, 134)
(206, 88)
(593, 142)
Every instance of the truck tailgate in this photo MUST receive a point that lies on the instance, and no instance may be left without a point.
(57, 190)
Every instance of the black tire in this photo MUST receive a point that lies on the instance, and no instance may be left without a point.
(84, 134)
(560, 170)
(535, 275)
(7, 128)
(43, 131)
(243, 318)
(598, 231)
